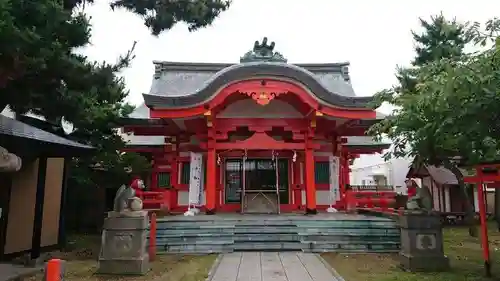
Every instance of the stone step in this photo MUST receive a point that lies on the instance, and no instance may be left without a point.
(190, 235)
(340, 246)
(347, 225)
(262, 237)
(213, 241)
(197, 248)
(268, 246)
(269, 230)
(193, 226)
(372, 251)
(265, 223)
(204, 235)
(190, 231)
(348, 238)
(365, 232)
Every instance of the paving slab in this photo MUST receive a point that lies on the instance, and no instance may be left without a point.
(272, 266)
(9, 272)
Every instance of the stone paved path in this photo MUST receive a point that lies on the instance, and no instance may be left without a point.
(272, 266)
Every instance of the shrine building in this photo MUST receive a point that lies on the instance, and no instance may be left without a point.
(274, 136)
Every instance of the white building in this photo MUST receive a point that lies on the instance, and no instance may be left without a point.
(374, 170)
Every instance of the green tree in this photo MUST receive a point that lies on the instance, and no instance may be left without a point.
(447, 117)
(441, 38)
(40, 72)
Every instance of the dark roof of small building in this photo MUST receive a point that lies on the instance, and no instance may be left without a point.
(15, 128)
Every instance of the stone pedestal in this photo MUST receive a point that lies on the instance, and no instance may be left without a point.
(123, 248)
(422, 243)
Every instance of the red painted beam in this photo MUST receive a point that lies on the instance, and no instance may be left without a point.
(260, 141)
(230, 124)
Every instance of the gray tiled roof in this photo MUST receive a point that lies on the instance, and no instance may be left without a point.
(12, 127)
(180, 81)
(354, 141)
(186, 84)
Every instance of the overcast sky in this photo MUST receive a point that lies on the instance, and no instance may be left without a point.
(374, 36)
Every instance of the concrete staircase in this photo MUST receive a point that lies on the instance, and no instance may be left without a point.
(267, 233)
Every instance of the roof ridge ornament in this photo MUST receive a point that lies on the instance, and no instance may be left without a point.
(263, 52)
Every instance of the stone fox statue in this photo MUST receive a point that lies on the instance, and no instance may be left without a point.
(122, 197)
(9, 162)
(422, 199)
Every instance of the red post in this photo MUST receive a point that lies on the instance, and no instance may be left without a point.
(152, 237)
(484, 227)
(310, 182)
(211, 180)
(54, 270)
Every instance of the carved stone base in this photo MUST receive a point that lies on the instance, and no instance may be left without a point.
(124, 266)
(430, 264)
(123, 249)
(422, 242)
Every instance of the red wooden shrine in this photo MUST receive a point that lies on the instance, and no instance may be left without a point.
(303, 113)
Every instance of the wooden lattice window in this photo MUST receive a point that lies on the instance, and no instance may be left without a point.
(164, 180)
(322, 172)
(185, 170)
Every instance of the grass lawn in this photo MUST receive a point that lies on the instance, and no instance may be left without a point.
(464, 252)
(81, 264)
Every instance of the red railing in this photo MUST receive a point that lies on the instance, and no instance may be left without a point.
(155, 200)
(369, 199)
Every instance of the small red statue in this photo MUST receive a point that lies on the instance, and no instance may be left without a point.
(138, 185)
(411, 187)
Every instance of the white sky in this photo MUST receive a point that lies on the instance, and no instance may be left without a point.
(374, 36)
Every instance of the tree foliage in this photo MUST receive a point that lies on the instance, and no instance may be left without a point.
(163, 15)
(40, 73)
(441, 38)
(447, 113)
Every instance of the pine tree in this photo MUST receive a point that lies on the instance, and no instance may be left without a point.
(40, 72)
(441, 38)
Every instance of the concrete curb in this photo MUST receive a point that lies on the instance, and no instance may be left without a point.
(330, 268)
(214, 267)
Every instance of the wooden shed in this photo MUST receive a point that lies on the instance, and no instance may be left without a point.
(32, 199)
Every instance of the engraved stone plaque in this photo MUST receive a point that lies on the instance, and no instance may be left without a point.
(426, 241)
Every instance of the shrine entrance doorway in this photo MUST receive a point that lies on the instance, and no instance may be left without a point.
(260, 185)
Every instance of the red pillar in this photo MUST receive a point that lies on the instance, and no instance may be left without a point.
(310, 182)
(211, 179)
(484, 226)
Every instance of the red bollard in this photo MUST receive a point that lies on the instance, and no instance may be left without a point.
(152, 237)
(54, 270)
